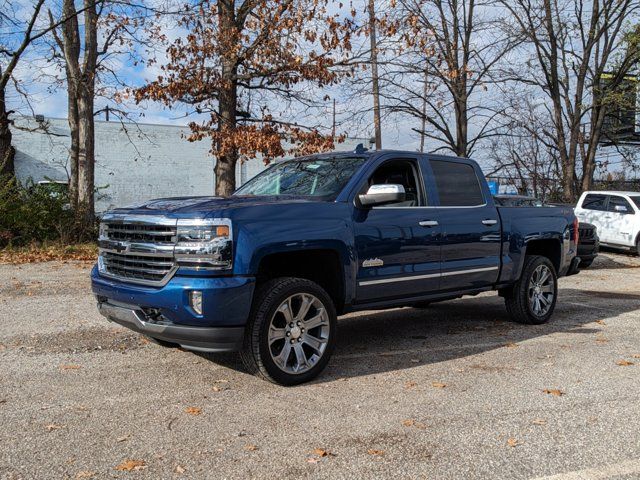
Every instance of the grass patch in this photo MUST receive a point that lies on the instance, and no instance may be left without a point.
(48, 252)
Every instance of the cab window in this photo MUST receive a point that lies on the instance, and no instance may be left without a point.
(457, 183)
(595, 202)
(619, 205)
(399, 172)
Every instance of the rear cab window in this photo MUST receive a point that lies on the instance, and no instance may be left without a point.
(457, 184)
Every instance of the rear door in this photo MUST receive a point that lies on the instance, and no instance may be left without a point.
(398, 254)
(621, 217)
(593, 209)
(470, 224)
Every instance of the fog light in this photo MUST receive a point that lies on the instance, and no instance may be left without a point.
(195, 300)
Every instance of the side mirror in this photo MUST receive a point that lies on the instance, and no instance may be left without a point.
(621, 209)
(382, 194)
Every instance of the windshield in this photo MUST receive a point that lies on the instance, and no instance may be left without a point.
(636, 200)
(315, 177)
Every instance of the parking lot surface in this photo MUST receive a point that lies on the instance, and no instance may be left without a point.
(448, 392)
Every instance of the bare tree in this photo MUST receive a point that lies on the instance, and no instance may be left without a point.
(524, 154)
(446, 54)
(11, 53)
(569, 45)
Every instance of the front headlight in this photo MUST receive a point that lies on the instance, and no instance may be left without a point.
(204, 244)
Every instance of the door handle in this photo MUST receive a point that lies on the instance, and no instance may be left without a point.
(429, 223)
(489, 222)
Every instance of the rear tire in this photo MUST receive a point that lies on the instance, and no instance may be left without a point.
(291, 331)
(533, 298)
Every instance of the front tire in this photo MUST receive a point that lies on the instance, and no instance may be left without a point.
(291, 331)
(533, 297)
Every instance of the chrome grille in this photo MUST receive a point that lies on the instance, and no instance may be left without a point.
(138, 248)
(163, 234)
(137, 268)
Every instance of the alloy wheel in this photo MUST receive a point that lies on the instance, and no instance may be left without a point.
(298, 333)
(541, 290)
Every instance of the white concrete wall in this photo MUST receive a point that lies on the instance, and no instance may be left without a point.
(134, 163)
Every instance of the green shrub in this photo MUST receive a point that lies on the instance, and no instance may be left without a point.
(37, 213)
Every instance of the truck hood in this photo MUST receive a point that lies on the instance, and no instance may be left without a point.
(203, 206)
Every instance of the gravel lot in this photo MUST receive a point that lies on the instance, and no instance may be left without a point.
(452, 391)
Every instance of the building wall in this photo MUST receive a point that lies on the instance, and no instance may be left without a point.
(134, 162)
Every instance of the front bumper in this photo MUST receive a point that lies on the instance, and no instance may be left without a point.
(164, 313)
(199, 339)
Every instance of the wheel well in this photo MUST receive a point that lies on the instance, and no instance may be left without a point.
(547, 248)
(320, 266)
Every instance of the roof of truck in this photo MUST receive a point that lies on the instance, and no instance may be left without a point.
(612, 192)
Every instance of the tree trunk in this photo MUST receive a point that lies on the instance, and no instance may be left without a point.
(461, 122)
(74, 146)
(7, 151)
(227, 157)
(86, 158)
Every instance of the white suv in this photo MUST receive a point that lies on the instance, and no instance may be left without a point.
(615, 214)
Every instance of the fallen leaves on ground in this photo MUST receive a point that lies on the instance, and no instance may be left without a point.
(85, 474)
(624, 363)
(413, 423)
(322, 452)
(129, 465)
(602, 339)
(193, 410)
(53, 426)
(122, 439)
(636, 355)
(539, 421)
(438, 384)
(512, 442)
(179, 469)
(554, 391)
(410, 385)
(373, 451)
(251, 448)
(38, 253)
(70, 367)
(511, 345)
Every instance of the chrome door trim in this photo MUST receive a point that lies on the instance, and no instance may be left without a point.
(430, 275)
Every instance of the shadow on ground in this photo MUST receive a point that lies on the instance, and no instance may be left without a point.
(378, 342)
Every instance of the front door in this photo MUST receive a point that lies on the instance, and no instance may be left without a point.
(397, 245)
(471, 240)
(594, 211)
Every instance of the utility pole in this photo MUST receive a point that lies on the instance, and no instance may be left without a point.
(374, 75)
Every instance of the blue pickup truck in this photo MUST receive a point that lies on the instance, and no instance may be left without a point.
(267, 271)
